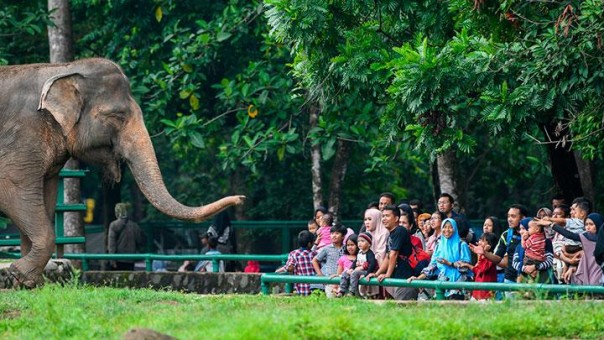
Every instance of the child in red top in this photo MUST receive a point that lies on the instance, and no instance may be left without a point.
(484, 270)
(533, 242)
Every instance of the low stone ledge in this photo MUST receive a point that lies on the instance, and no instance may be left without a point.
(61, 271)
(200, 283)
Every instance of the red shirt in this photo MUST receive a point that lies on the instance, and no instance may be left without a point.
(484, 271)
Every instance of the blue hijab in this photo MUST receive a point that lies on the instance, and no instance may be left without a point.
(452, 249)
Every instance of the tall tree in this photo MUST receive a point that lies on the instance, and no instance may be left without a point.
(61, 51)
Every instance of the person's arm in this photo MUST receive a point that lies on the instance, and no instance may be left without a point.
(372, 262)
(339, 271)
(549, 257)
(392, 257)
(566, 233)
(317, 266)
(421, 276)
(382, 269)
(495, 258)
(516, 263)
(111, 240)
(556, 220)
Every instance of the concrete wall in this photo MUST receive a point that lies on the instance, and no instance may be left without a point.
(202, 283)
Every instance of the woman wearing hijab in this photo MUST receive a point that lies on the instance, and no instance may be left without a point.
(373, 225)
(446, 262)
(599, 250)
(588, 271)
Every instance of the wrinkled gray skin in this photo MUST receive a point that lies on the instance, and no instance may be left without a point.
(84, 109)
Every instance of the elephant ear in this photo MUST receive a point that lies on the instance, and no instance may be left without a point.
(61, 97)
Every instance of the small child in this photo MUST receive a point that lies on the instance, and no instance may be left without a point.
(326, 261)
(350, 255)
(312, 226)
(364, 264)
(299, 261)
(533, 242)
(324, 232)
(484, 270)
(206, 265)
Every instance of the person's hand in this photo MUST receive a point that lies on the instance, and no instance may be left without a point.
(369, 276)
(568, 274)
(577, 256)
(478, 250)
(113, 264)
(443, 261)
(381, 277)
(459, 264)
(543, 221)
(411, 279)
(334, 275)
(349, 271)
(529, 269)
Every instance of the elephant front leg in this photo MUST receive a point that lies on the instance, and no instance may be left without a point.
(38, 236)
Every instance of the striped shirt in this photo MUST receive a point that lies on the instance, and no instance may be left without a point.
(534, 247)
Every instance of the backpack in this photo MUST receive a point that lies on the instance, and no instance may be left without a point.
(418, 259)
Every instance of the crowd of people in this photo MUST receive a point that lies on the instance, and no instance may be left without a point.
(563, 245)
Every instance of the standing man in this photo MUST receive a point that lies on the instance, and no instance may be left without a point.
(124, 237)
(399, 243)
(386, 198)
(508, 242)
(445, 205)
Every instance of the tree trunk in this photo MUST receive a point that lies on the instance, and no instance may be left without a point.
(338, 173)
(447, 177)
(61, 51)
(317, 194)
(585, 170)
(563, 165)
(59, 35)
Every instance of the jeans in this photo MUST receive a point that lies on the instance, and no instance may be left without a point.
(509, 295)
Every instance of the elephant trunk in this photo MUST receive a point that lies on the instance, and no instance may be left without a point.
(136, 148)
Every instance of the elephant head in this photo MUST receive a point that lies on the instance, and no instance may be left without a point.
(102, 124)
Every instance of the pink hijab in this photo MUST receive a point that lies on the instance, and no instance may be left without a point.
(380, 234)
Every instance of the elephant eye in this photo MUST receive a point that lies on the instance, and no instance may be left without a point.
(116, 116)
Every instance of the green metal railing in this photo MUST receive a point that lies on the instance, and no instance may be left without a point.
(286, 228)
(148, 258)
(438, 286)
(61, 208)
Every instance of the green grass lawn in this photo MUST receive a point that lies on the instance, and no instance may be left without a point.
(55, 312)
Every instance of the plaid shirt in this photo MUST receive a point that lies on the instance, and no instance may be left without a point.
(301, 260)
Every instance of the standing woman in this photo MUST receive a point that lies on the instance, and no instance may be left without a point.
(588, 271)
(599, 250)
(319, 212)
(436, 221)
(492, 225)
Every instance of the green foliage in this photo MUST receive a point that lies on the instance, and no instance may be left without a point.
(23, 32)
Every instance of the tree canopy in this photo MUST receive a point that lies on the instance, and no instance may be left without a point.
(513, 88)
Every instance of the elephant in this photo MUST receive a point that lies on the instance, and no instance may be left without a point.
(85, 110)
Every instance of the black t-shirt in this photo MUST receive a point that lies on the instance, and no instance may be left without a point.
(503, 247)
(399, 240)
